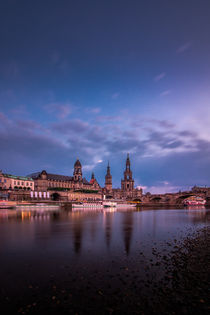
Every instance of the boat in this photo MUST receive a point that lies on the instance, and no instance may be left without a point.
(86, 205)
(36, 206)
(107, 204)
(126, 205)
(6, 204)
(194, 201)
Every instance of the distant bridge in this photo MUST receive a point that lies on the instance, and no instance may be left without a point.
(173, 198)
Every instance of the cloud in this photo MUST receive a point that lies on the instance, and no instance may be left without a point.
(159, 76)
(94, 110)
(75, 126)
(4, 121)
(162, 154)
(115, 95)
(162, 123)
(20, 110)
(166, 92)
(163, 189)
(28, 125)
(60, 110)
(108, 118)
(186, 46)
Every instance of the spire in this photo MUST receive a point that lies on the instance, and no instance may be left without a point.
(108, 178)
(93, 176)
(128, 162)
(108, 169)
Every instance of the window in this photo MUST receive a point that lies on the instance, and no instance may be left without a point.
(22, 183)
(18, 183)
(5, 180)
(26, 183)
(14, 182)
(30, 184)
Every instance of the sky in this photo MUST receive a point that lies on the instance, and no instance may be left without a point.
(96, 80)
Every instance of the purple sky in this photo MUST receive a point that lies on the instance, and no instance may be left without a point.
(98, 79)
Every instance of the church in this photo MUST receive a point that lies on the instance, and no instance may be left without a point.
(44, 181)
(127, 190)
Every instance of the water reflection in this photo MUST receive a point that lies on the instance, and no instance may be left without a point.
(108, 227)
(77, 232)
(127, 229)
(98, 231)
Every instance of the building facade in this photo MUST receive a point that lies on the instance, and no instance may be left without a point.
(69, 188)
(127, 190)
(46, 181)
(12, 182)
(108, 180)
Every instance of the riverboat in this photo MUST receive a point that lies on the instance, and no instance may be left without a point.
(126, 205)
(88, 205)
(194, 201)
(36, 206)
(5, 204)
(111, 204)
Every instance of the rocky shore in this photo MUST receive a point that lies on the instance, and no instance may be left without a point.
(185, 286)
(175, 282)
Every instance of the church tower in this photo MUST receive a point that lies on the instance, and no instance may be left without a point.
(108, 179)
(127, 184)
(77, 171)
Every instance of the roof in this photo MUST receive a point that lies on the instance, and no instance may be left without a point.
(53, 177)
(58, 177)
(77, 163)
(18, 177)
(84, 180)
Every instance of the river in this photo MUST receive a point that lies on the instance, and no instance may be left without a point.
(62, 255)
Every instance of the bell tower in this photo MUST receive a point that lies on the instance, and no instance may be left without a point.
(108, 179)
(127, 184)
(77, 171)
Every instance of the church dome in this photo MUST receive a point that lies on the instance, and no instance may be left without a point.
(77, 163)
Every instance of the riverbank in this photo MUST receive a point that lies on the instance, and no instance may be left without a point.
(171, 282)
(185, 287)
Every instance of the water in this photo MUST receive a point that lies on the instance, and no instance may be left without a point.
(87, 250)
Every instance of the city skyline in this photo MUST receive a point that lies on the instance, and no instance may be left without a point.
(96, 81)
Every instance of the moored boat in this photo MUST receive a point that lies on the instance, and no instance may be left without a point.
(111, 204)
(126, 205)
(6, 204)
(35, 206)
(194, 201)
(88, 205)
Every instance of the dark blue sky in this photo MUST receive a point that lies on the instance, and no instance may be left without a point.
(98, 79)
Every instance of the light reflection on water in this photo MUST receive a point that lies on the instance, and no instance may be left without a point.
(44, 246)
(94, 230)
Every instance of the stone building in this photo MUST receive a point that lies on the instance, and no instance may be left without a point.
(11, 182)
(127, 190)
(108, 180)
(46, 181)
(127, 184)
